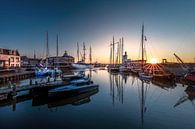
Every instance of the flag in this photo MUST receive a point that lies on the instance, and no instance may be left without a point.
(145, 38)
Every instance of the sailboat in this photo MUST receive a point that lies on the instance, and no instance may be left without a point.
(81, 64)
(44, 71)
(142, 74)
(56, 70)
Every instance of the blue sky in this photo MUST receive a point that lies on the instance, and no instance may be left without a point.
(169, 26)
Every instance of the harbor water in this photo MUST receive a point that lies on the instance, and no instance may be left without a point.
(121, 102)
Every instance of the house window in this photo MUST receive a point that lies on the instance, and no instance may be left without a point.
(17, 59)
(1, 64)
(12, 59)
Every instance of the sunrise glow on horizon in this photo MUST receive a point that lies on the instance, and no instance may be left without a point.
(95, 23)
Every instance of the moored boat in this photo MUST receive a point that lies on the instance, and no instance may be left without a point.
(82, 65)
(71, 90)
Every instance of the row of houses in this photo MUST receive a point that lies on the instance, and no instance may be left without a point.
(9, 58)
(13, 59)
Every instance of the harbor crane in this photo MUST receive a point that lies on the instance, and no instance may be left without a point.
(182, 64)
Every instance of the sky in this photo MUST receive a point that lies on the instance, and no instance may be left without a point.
(169, 26)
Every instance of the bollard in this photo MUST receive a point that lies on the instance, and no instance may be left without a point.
(48, 79)
(30, 82)
(36, 83)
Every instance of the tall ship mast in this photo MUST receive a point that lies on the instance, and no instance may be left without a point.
(47, 49)
(81, 64)
(84, 54)
(78, 52)
(90, 55)
(57, 45)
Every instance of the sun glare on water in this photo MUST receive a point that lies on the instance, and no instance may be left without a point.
(153, 61)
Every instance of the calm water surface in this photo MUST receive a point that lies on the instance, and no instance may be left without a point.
(122, 102)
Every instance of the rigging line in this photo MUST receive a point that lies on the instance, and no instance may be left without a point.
(149, 49)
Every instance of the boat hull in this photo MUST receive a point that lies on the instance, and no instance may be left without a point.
(82, 66)
(71, 90)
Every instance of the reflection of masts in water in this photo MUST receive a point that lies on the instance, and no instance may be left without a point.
(143, 100)
(190, 95)
(116, 80)
(90, 73)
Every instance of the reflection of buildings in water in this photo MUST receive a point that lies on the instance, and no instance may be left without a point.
(116, 87)
(190, 95)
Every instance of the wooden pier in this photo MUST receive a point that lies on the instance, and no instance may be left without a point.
(16, 76)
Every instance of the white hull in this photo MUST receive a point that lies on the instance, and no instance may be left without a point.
(82, 66)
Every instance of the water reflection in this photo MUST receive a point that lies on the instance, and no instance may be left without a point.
(142, 98)
(123, 101)
(188, 96)
(44, 100)
(165, 84)
(40, 97)
(116, 87)
(74, 100)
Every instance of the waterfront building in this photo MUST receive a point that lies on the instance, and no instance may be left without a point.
(29, 62)
(9, 58)
(64, 61)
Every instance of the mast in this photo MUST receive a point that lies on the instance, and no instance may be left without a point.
(78, 51)
(122, 47)
(84, 52)
(142, 45)
(57, 45)
(113, 52)
(119, 51)
(47, 48)
(90, 55)
(34, 54)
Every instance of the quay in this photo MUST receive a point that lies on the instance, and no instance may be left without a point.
(16, 76)
(15, 89)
